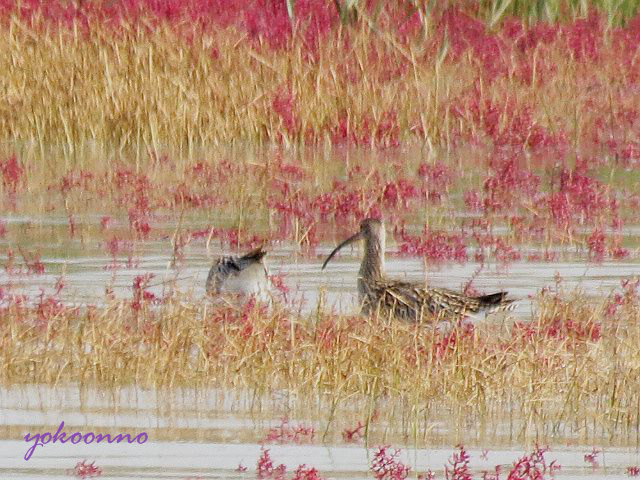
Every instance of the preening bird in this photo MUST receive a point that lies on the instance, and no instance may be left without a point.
(243, 276)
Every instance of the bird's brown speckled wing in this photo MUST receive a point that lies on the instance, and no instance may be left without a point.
(412, 301)
(398, 299)
(450, 302)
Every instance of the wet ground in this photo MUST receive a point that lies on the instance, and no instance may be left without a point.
(88, 271)
(206, 435)
(190, 437)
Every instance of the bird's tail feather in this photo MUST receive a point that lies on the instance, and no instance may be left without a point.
(492, 299)
(251, 258)
(496, 302)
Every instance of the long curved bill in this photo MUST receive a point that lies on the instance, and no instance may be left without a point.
(351, 239)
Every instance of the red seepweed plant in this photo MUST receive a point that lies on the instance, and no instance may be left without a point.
(86, 470)
(355, 434)
(387, 466)
(286, 432)
(267, 470)
(458, 468)
(13, 173)
(592, 457)
(533, 466)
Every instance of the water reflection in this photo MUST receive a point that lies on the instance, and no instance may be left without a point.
(210, 433)
(88, 273)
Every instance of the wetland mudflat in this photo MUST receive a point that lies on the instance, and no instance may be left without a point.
(210, 434)
(141, 139)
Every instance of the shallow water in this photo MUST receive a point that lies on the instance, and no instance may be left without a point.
(88, 271)
(194, 434)
(181, 460)
(201, 435)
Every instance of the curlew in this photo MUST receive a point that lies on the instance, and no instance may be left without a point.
(381, 295)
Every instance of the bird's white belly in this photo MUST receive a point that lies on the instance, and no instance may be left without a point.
(250, 281)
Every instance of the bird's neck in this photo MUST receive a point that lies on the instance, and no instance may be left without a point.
(372, 266)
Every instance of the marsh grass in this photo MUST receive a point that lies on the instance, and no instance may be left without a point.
(440, 207)
(153, 82)
(133, 99)
(529, 128)
(570, 371)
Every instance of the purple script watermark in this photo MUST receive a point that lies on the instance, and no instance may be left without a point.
(41, 439)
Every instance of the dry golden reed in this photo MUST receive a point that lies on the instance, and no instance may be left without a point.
(152, 87)
(567, 372)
